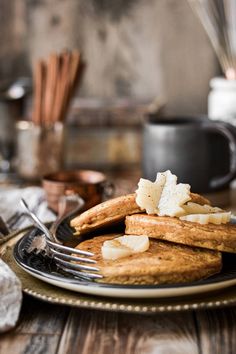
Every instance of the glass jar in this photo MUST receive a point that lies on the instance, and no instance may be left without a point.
(39, 149)
(222, 100)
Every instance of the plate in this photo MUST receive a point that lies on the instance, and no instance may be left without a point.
(44, 268)
(56, 295)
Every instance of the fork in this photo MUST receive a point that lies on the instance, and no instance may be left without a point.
(67, 206)
(15, 219)
(62, 254)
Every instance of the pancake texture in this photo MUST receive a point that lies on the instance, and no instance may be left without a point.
(216, 237)
(104, 214)
(113, 211)
(199, 199)
(162, 263)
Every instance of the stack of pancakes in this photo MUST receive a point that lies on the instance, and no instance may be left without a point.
(180, 251)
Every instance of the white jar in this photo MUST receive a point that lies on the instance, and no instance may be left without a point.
(222, 100)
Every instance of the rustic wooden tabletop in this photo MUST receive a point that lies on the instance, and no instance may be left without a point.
(48, 328)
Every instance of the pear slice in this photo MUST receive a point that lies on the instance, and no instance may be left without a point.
(194, 208)
(124, 246)
(163, 197)
(213, 218)
(148, 193)
(173, 196)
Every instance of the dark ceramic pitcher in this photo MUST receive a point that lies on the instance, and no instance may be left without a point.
(199, 151)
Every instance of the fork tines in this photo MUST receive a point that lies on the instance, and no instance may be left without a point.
(71, 258)
(62, 256)
(81, 275)
(75, 265)
(54, 245)
(65, 256)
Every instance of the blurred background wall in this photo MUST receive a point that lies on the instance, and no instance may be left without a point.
(136, 52)
(133, 48)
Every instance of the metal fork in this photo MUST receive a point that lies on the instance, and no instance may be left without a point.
(67, 206)
(62, 254)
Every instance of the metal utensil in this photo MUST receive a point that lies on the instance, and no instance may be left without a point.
(67, 206)
(62, 254)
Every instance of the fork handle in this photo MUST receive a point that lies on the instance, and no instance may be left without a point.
(65, 211)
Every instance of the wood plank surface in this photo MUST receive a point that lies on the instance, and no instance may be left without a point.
(26, 344)
(104, 332)
(46, 328)
(216, 330)
(38, 331)
(41, 317)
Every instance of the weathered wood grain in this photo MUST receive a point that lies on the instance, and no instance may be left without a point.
(39, 317)
(45, 328)
(100, 332)
(38, 331)
(217, 331)
(28, 344)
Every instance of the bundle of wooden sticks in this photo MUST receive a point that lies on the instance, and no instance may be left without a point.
(219, 20)
(54, 84)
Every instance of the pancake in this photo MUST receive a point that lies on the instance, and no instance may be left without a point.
(199, 199)
(216, 237)
(105, 214)
(113, 211)
(162, 263)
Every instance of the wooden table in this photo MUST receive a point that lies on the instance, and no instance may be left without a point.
(47, 328)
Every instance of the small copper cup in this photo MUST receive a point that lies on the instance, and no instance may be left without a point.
(92, 186)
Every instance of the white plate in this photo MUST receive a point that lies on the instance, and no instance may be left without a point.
(44, 270)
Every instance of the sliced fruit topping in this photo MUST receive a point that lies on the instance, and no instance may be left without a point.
(164, 196)
(149, 193)
(124, 246)
(173, 196)
(214, 218)
(194, 208)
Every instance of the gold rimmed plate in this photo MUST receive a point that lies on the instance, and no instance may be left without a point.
(56, 295)
(44, 268)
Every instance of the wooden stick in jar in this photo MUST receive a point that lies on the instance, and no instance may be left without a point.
(52, 74)
(54, 113)
(70, 81)
(38, 92)
(75, 61)
(64, 84)
(62, 72)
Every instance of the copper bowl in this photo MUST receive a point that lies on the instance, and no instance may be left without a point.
(91, 186)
